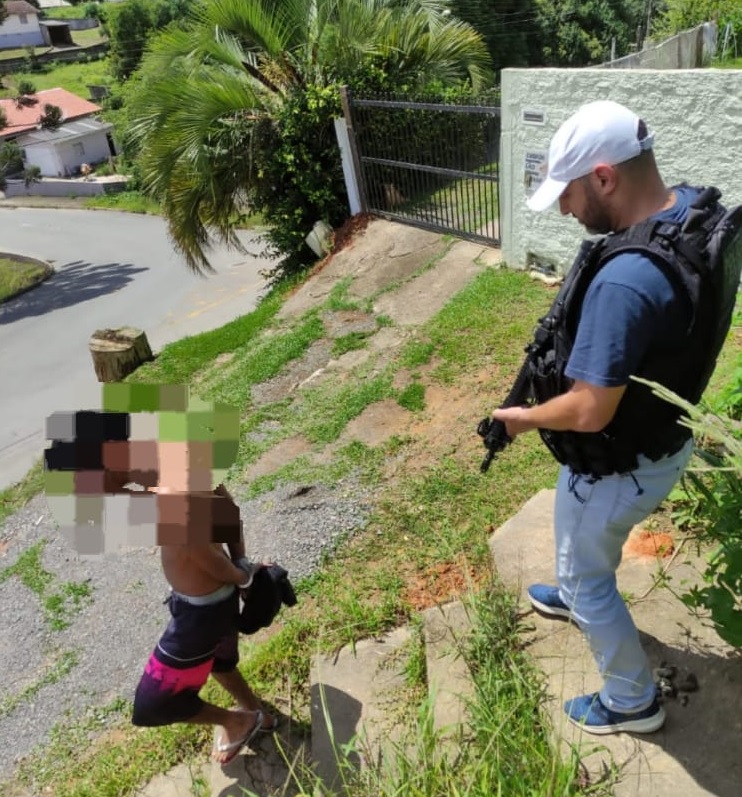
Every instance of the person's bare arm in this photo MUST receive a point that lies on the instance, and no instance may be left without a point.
(584, 408)
(214, 562)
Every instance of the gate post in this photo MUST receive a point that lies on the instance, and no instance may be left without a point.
(351, 160)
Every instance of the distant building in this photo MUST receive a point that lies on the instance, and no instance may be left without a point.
(21, 27)
(80, 138)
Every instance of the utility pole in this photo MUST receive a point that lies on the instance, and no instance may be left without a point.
(649, 19)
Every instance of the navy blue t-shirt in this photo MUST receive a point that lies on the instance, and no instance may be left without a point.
(630, 306)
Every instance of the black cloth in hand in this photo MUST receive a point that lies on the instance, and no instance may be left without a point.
(262, 600)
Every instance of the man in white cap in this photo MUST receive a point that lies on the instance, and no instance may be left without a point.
(621, 448)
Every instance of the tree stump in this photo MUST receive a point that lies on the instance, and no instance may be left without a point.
(118, 352)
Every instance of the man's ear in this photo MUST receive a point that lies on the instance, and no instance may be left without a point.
(605, 177)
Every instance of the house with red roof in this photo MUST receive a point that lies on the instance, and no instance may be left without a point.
(21, 27)
(58, 152)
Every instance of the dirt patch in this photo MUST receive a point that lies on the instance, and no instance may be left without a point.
(315, 359)
(646, 544)
(281, 454)
(441, 583)
(346, 322)
(377, 423)
(448, 411)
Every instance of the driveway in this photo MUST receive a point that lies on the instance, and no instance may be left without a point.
(112, 269)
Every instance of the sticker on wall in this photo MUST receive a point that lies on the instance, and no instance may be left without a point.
(535, 170)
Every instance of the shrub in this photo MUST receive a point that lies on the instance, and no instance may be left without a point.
(297, 173)
(31, 174)
(710, 504)
(25, 88)
(51, 118)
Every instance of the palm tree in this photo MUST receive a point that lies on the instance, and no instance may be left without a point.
(205, 89)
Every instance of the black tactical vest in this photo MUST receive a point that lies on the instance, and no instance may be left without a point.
(702, 258)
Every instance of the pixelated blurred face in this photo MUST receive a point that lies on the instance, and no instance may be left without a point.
(148, 435)
(130, 461)
(186, 466)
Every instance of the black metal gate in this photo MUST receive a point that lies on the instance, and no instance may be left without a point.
(430, 165)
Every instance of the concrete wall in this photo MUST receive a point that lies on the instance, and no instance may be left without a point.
(688, 50)
(695, 114)
(13, 41)
(45, 157)
(63, 159)
(52, 187)
(9, 65)
(94, 150)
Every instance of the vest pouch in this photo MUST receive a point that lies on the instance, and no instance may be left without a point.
(546, 381)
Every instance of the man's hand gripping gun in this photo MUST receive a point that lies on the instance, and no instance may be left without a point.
(493, 432)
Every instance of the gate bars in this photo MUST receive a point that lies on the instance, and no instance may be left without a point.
(430, 165)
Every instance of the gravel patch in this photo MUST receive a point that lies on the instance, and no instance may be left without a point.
(296, 525)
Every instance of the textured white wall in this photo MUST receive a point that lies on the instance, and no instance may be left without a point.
(696, 116)
(13, 24)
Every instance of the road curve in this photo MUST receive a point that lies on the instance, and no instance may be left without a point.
(112, 269)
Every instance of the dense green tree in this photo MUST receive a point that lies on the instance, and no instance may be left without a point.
(677, 15)
(219, 98)
(130, 25)
(580, 32)
(507, 26)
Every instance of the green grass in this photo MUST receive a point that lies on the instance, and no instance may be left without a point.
(66, 12)
(59, 602)
(127, 201)
(114, 768)
(84, 38)
(413, 397)
(348, 401)
(74, 77)
(178, 362)
(731, 63)
(19, 275)
(350, 342)
(261, 361)
(18, 495)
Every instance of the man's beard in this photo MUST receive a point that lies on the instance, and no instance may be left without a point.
(595, 218)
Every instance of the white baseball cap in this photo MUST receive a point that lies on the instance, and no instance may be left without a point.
(599, 132)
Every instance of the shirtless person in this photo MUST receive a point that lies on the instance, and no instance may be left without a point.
(194, 523)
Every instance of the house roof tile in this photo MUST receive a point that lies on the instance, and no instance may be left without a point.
(19, 7)
(20, 120)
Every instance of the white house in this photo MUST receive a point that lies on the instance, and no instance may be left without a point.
(79, 139)
(21, 27)
(61, 152)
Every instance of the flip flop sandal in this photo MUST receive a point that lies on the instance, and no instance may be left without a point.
(234, 747)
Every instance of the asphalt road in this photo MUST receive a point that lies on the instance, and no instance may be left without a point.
(112, 269)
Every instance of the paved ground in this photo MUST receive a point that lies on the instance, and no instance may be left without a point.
(113, 269)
